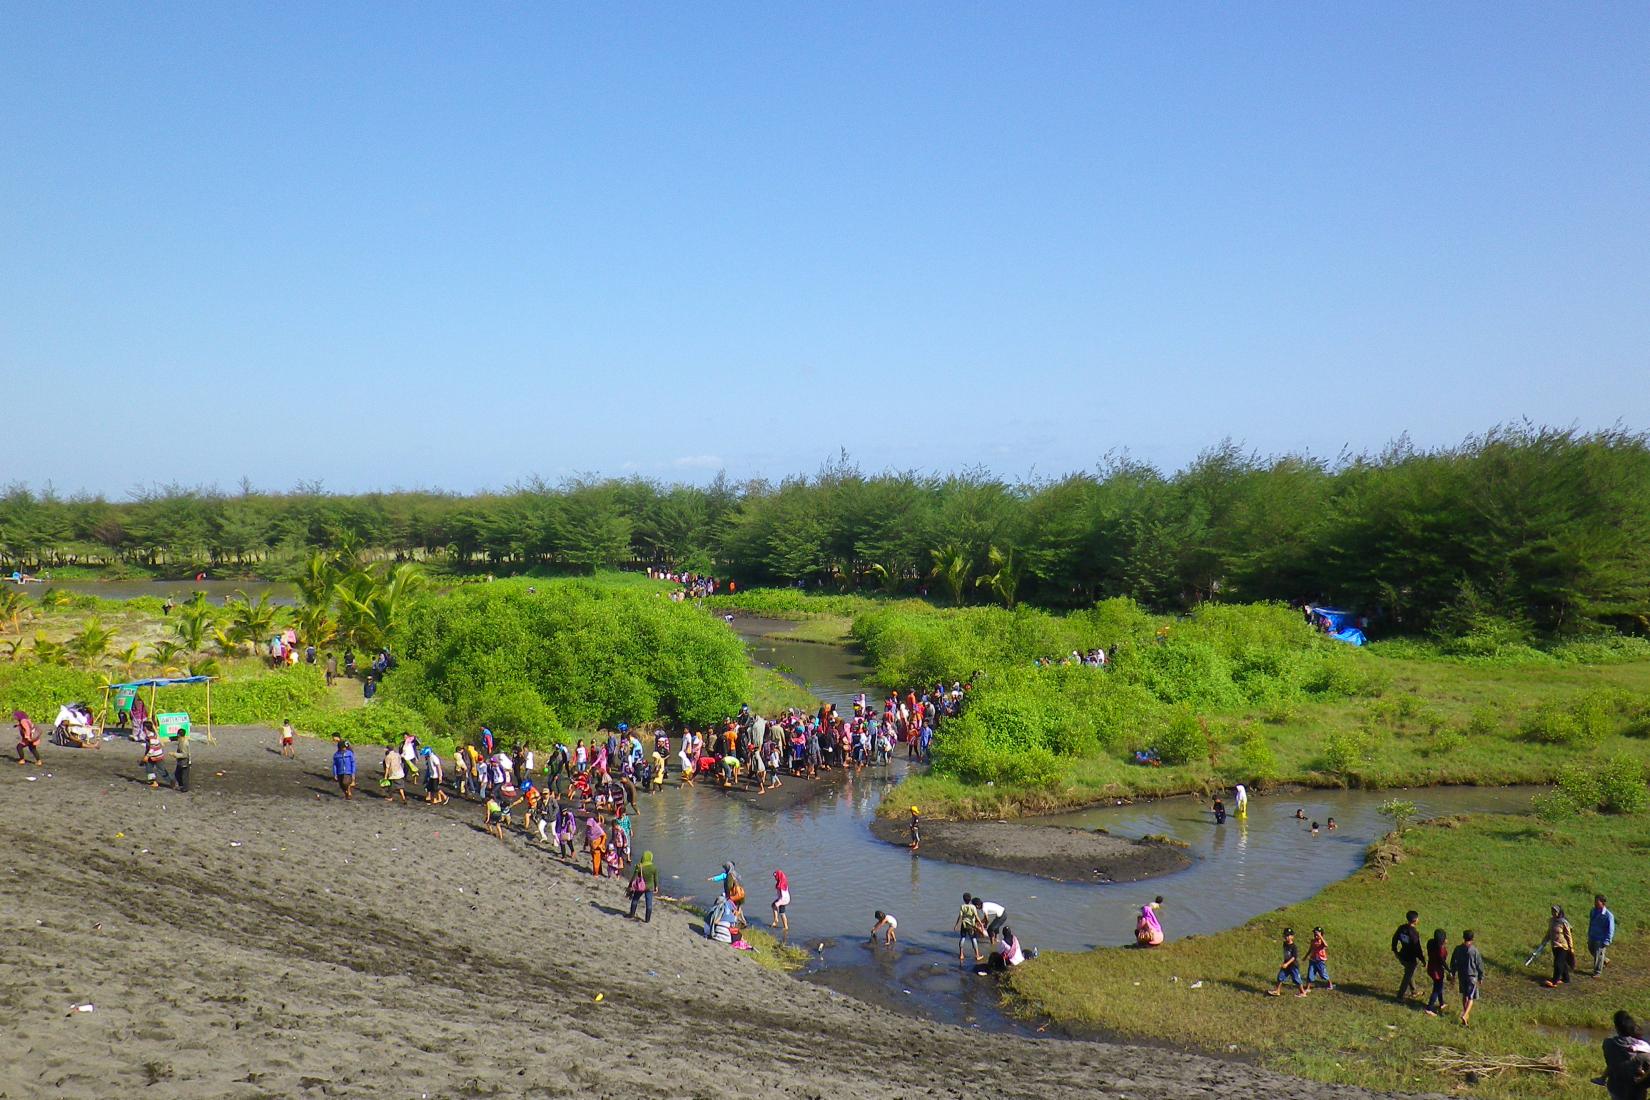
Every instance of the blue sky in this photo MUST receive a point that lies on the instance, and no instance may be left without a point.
(457, 245)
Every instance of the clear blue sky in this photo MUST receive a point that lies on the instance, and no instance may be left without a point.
(458, 244)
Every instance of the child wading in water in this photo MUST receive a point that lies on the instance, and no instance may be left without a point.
(886, 924)
(916, 829)
(1290, 971)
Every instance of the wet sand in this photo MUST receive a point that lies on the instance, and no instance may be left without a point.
(1048, 851)
(260, 937)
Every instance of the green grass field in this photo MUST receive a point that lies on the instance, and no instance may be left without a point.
(1494, 874)
(1436, 722)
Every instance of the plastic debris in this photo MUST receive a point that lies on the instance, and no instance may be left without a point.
(1197, 984)
(88, 1007)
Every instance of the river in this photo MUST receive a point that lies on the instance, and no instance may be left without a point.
(839, 873)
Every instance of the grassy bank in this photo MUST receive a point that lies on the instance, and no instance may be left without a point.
(1496, 875)
(1434, 722)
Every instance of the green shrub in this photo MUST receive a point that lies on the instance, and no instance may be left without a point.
(1621, 787)
(574, 653)
(1254, 757)
(378, 723)
(1347, 752)
(1484, 721)
(1553, 723)
(1183, 739)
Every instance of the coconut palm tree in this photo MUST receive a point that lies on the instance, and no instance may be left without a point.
(1005, 582)
(47, 652)
(128, 660)
(951, 569)
(251, 620)
(12, 609)
(165, 654)
(91, 643)
(194, 625)
(11, 647)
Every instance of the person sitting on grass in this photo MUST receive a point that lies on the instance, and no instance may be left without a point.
(1290, 971)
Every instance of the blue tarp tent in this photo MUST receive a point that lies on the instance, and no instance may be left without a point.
(154, 684)
(1343, 625)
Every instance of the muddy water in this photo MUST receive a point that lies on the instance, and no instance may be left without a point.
(839, 873)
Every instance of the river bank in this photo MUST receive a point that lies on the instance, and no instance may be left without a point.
(1495, 874)
(260, 936)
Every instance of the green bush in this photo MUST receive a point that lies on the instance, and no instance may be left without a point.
(574, 653)
(377, 723)
(1621, 787)
(1347, 752)
(1254, 757)
(1183, 738)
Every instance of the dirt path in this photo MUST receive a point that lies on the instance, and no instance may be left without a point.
(260, 937)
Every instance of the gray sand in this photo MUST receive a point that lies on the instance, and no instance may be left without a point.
(364, 949)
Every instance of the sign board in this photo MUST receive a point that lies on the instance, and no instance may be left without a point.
(170, 725)
(123, 699)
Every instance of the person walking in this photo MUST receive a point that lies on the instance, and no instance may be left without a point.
(1561, 938)
(343, 768)
(1468, 967)
(1437, 970)
(1601, 932)
(1317, 961)
(154, 758)
(643, 885)
(332, 668)
(1406, 948)
(1289, 970)
(28, 737)
(180, 761)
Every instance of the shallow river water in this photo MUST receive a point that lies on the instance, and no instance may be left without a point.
(839, 873)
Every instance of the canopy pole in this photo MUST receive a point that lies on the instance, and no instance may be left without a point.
(102, 715)
(209, 738)
(152, 710)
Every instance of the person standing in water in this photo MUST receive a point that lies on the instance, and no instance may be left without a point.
(781, 902)
(1240, 801)
(916, 829)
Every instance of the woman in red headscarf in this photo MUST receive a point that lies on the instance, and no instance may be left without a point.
(781, 901)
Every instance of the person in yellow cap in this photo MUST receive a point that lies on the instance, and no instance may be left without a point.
(916, 829)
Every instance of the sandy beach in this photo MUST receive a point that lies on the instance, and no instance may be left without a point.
(260, 937)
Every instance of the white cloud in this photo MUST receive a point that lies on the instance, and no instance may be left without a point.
(698, 462)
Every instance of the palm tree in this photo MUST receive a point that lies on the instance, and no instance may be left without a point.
(251, 619)
(1005, 582)
(11, 646)
(194, 624)
(12, 609)
(165, 654)
(128, 661)
(228, 643)
(47, 652)
(92, 642)
(951, 569)
(53, 597)
(315, 626)
(317, 579)
(370, 607)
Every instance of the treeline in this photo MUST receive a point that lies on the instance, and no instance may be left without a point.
(1523, 528)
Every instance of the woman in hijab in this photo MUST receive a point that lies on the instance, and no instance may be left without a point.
(1147, 931)
(781, 901)
(647, 878)
(1563, 943)
(595, 842)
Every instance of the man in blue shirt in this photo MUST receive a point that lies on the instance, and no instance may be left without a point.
(1601, 929)
(343, 768)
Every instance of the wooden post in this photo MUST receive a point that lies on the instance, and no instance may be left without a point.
(210, 740)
